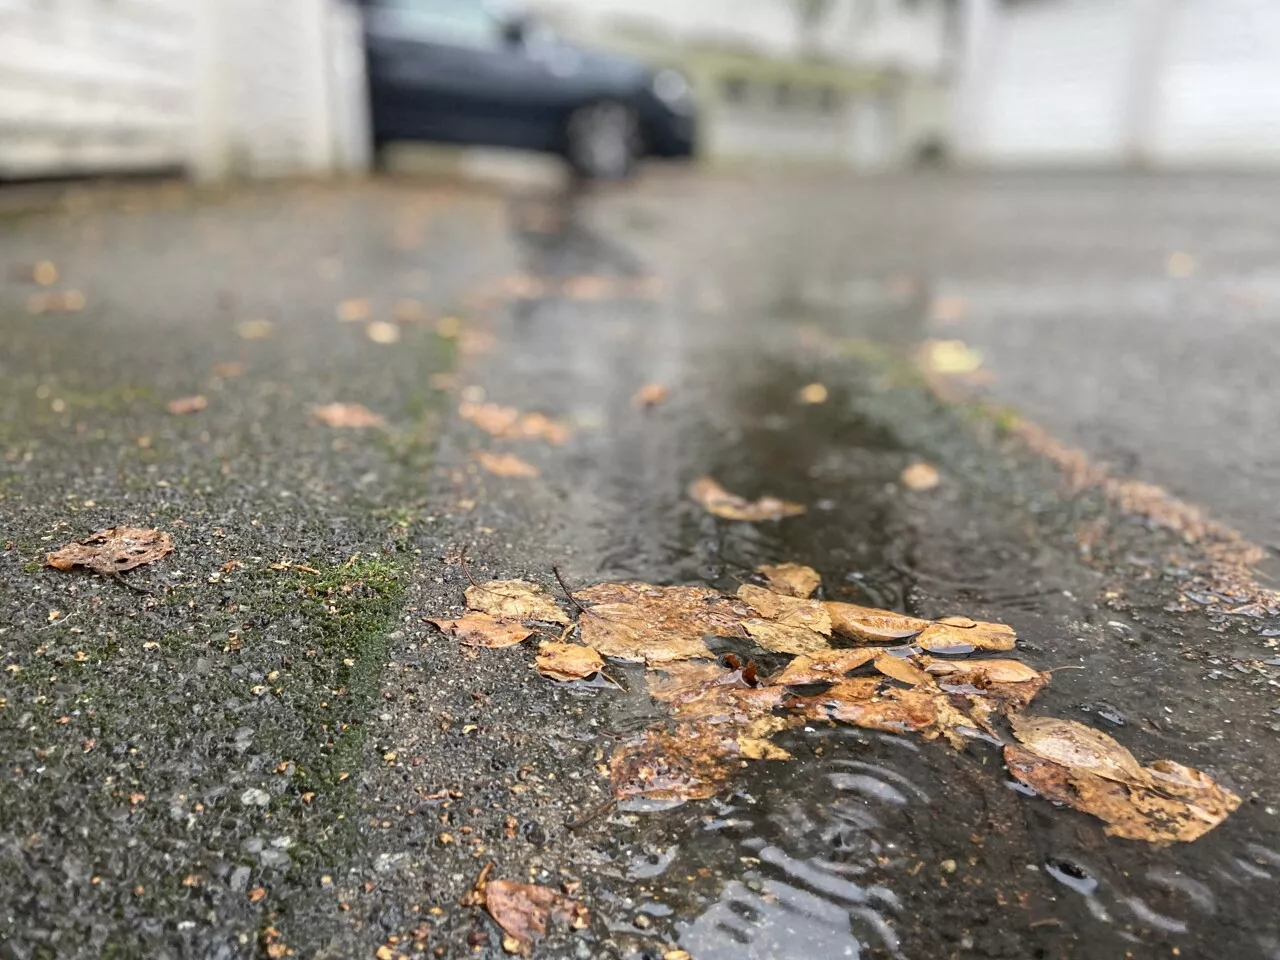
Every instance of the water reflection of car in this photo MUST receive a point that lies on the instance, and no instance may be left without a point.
(468, 72)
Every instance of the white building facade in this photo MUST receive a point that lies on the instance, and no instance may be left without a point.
(1160, 83)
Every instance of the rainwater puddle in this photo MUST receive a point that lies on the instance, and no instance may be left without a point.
(864, 845)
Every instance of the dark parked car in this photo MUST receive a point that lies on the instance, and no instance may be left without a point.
(467, 72)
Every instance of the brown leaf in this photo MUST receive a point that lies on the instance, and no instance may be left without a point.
(505, 464)
(725, 704)
(650, 395)
(228, 370)
(567, 661)
(719, 501)
(113, 551)
(791, 579)
(1072, 744)
(659, 769)
(826, 667)
(353, 416)
(787, 611)
(866, 702)
(1162, 803)
(187, 405)
(510, 424)
(959, 633)
(869, 623)
(482, 630)
(642, 622)
(904, 671)
(523, 911)
(679, 679)
(920, 477)
(515, 600)
(784, 638)
(1010, 684)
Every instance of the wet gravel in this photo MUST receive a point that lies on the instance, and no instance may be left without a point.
(434, 761)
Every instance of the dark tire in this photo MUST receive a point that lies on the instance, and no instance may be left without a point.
(602, 140)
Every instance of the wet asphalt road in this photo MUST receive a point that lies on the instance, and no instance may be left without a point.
(271, 751)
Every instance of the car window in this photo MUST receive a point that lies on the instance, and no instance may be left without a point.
(462, 23)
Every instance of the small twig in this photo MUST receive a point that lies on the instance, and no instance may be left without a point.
(59, 622)
(570, 593)
(462, 559)
(594, 813)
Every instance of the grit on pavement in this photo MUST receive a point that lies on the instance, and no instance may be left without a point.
(258, 746)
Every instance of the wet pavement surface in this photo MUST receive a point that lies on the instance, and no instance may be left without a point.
(271, 751)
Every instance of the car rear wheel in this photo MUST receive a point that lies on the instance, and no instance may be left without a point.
(603, 140)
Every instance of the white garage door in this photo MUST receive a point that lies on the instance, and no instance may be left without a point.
(1219, 93)
(1050, 83)
(94, 85)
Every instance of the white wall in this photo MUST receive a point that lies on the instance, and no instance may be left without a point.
(218, 87)
(92, 85)
(1161, 82)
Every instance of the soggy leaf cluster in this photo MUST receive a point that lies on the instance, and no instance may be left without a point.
(861, 666)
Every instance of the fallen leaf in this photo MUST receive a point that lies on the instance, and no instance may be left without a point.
(660, 770)
(229, 370)
(1160, 803)
(719, 501)
(728, 700)
(813, 394)
(868, 703)
(515, 600)
(869, 623)
(902, 670)
(113, 551)
(482, 630)
(1011, 684)
(951, 357)
(792, 579)
(567, 661)
(523, 911)
(1072, 744)
(45, 273)
(786, 611)
(961, 634)
(510, 424)
(187, 405)
(352, 416)
(645, 623)
(650, 395)
(380, 331)
(674, 680)
(829, 666)
(353, 311)
(255, 329)
(784, 638)
(505, 464)
(920, 477)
